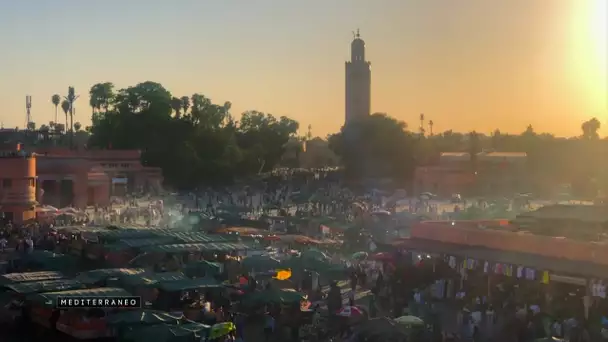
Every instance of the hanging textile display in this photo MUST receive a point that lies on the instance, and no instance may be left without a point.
(545, 278)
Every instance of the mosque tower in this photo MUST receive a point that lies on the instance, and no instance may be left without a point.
(358, 82)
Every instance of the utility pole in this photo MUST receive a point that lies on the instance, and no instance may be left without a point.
(28, 111)
(422, 125)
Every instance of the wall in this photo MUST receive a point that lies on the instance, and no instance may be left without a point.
(512, 241)
(442, 181)
(18, 186)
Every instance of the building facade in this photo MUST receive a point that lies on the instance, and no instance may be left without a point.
(358, 82)
(17, 185)
(493, 173)
(81, 178)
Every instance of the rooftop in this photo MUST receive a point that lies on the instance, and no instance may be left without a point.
(576, 212)
(486, 156)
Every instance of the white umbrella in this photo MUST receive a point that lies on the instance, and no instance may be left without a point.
(426, 196)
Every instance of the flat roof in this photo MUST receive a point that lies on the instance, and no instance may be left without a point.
(579, 212)
(538, 262)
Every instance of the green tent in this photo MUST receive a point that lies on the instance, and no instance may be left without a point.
(260, 263)
(202, 268)
(102, 274)
(188, 284)
(272, 296)
(148, 279)
(189, 332)
(13, 278)
(45, 286)
(137, 318)
(50, 298)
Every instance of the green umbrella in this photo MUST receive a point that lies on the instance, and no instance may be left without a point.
(359, 256)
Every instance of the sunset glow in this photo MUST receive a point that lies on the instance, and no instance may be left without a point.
(521, 62)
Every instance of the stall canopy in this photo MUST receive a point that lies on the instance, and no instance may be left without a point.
(13, 278)
(199, 247)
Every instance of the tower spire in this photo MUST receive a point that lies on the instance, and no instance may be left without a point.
(357, 35)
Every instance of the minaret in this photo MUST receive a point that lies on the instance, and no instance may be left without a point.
(358, 81)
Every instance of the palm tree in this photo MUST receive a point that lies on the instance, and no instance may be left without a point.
(65, 106)
(56, 100)
(176, 105)
(71, 98)
(431, 123)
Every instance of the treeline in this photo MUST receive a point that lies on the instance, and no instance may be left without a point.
(195, 141)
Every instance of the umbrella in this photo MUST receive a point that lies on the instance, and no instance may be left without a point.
(383, 257)
(426, 196)
(69, 210)
(283, 274)
(350, 311)
(409, 320)
(359, 255)
(221, 329)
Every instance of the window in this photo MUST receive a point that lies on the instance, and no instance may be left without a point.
(7, 183)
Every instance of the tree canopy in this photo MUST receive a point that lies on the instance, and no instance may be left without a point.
(195, 141)
(376, 146)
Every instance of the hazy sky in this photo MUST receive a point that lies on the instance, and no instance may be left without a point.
(466, 64)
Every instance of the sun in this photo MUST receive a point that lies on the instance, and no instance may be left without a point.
(599, 26)
(587, 54)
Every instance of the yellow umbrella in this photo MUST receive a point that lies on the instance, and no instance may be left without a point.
(283, 274)
(221, 329)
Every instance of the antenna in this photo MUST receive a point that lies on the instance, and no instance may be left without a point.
(28, 112)
(422, 125)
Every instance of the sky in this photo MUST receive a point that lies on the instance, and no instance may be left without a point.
(466, 64)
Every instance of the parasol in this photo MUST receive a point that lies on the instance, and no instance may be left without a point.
(426, 196)
(383, 257)
(350, 311)
(221, 329)
(409, 320)
(381, 213)
(359, 255)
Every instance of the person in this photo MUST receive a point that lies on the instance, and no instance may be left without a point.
(269, 325)
(373, 310)
(351, 298)
(334, 298)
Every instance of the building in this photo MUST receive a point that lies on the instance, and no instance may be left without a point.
(358, 82)
(17, 184)
(86, 177)
(492, 173)
(501, 241)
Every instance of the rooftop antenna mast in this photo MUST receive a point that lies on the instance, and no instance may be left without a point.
(422, 130)
(28, 110)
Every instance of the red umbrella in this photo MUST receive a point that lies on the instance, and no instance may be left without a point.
(350, 311)
(272, 238)
(383, 257)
